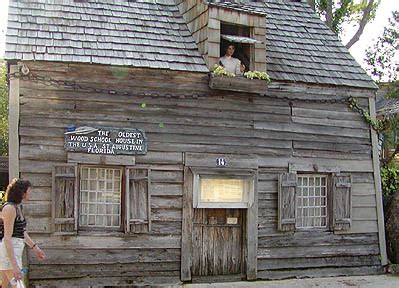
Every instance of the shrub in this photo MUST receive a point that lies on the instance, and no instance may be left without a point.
(389, 181)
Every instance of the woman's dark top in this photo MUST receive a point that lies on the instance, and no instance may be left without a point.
(19, 224)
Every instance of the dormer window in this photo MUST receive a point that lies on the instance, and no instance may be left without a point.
(215, 26)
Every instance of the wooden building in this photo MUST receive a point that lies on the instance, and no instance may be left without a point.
(147, 170)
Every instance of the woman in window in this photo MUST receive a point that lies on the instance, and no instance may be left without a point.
(13, 232)
(231, 64)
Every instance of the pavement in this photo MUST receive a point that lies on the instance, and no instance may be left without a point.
(372, 281)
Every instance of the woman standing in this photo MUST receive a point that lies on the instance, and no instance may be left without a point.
(13, 233)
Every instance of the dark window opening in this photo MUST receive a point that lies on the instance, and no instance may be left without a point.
(243, 51)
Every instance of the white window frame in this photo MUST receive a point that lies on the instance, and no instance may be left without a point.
(121, 216)
(223, 174)
(327, 205)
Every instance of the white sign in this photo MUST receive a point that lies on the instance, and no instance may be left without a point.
(232, 220)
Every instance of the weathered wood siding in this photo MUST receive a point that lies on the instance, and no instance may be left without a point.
(277, 132)
(307, 254)
(196, 16)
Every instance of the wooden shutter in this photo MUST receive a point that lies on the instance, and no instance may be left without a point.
(342, 201)
(138, 206)
(286, 201)
(65, 199)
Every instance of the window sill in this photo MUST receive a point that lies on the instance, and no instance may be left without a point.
(310, 230)
(238, 84)
(101, 233)
(222, 205)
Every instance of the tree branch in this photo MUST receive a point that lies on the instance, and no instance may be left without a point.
(362, 24)
(389, 159)
(312, 4)
(329, 14)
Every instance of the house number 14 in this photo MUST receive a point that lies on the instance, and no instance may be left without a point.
(221, 162)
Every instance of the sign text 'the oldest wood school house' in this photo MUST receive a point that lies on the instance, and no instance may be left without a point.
(108, 141)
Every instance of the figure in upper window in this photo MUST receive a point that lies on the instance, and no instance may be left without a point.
(230, 63)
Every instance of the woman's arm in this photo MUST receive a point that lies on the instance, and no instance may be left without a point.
(238, 67)
(39, 252)
(9, 215)
(28, 240)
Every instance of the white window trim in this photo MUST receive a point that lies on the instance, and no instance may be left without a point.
(95, 227)
(328, 203)
(228, 174)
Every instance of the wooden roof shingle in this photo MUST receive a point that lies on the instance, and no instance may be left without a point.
(152, 33)
(300, 47)
(143, 33)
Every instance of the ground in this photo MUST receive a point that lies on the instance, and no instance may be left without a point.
(374, 281)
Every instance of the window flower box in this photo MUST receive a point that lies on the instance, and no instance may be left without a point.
(238, 84)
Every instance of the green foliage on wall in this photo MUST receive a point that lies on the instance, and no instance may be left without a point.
(3, 110)
(389, 181)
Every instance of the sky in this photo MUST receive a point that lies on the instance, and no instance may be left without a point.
(370, 34)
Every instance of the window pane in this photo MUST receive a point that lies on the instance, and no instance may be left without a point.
(92, 220)
(109, 221)
(93, 173)
(101, 174)
(84, 197)
(101, 185)
(101, 209)
(93, 185)
(221, 190)
(312, 199)
(100, 221)
(108, 209)
(83, 219)
(83, 208)
(92, 196)
(84, 184)
(100, 197)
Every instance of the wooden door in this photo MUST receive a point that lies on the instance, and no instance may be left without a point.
(218, 242)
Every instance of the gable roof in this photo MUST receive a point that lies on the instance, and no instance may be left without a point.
(141, 33)
(387, 107)
(152, 33)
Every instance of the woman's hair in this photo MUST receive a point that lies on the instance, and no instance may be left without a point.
(16, 190)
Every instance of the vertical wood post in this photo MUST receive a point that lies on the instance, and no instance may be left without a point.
(252, 234)
(378, 190)
(13, 125)
(187, 226)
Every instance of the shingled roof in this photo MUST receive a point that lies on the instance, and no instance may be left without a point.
(300, 47)
(138, 33)
(152, 33)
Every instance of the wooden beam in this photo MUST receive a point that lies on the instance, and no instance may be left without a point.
(83, 158)
(13, 125)
(252, 235)
(187, 226)
(378, 190)
(295, 167)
